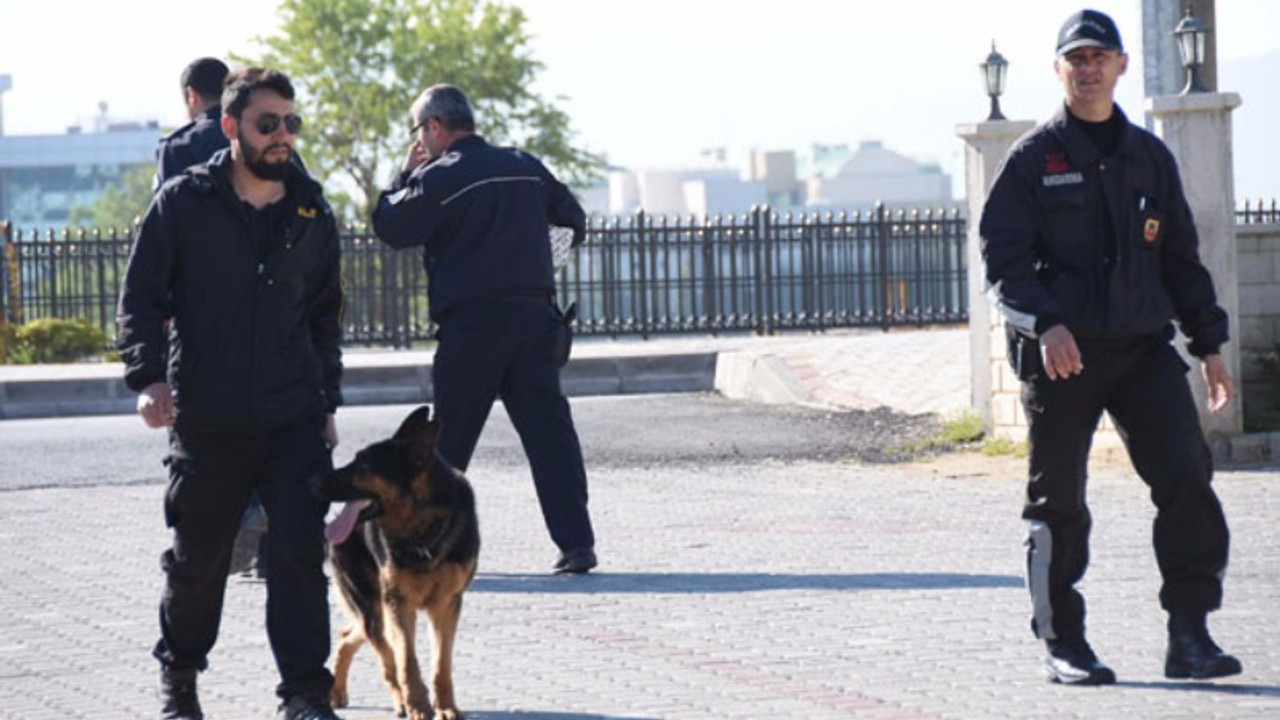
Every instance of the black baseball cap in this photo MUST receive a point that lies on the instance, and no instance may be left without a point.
(1089, 28)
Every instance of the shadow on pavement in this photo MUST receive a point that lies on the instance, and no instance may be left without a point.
(1206, 687)
(539, 715)
(733, 582)
(511, 714)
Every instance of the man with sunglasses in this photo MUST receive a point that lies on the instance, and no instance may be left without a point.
(481, 215)
(194, 143)
(242, 253)
(1091, 253)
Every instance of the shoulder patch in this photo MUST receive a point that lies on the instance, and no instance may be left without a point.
(395, 198)
(200, 181)
(449, 158)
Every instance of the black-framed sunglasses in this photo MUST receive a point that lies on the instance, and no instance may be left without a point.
(413, 131)
(268, 123)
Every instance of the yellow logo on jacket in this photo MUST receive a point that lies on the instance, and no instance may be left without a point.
(306, 212)
(1151, 230)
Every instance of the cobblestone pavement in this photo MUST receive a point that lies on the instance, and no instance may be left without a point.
(816, 591)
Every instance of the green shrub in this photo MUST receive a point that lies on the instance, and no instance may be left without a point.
(51, 340)
(1262, 407)
(1004, 446)
(954, 433)
(965, 431)
(959, 430)
(8, 342)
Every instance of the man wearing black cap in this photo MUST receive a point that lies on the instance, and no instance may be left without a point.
(1091, 254)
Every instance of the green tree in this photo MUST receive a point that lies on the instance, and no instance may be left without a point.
(119, 204)
(359, 64)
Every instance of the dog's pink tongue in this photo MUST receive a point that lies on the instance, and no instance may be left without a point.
(339, 529)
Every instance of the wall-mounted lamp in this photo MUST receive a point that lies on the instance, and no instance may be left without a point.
(994, 69)
(1192, 35)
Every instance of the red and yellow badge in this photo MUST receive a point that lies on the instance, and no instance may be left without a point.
(1151, 230)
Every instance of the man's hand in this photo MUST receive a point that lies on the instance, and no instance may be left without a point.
(155, 405)
(1218, 381)
(417, 155)
(1059, 353)
(331, 431)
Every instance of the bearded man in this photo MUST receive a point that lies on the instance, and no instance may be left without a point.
(242, 253)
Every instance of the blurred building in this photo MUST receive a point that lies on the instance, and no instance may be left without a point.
(839, 177)
(831, 177)
(689, 191)
(43, 176)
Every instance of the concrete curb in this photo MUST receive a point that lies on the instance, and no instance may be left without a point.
(745, 375)
(64, 397)
(768, 374)
(102, 392)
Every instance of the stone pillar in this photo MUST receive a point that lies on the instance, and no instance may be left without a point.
(994, 399)
(1197, 128)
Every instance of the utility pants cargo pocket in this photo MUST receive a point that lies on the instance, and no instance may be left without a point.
(563, 339)
(1023, 353)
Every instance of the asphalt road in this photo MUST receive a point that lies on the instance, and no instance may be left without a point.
(650, 431)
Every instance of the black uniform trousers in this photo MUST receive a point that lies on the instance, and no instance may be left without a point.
(1142, 384)
(507, 348)
(211, 476)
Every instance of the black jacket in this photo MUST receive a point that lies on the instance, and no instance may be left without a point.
(482, 214)
(1047, 246)
(255, 330)
(191, 144)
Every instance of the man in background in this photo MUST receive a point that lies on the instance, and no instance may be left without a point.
(198, 140)
(481, 215)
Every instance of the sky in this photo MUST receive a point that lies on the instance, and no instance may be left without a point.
(664, 83)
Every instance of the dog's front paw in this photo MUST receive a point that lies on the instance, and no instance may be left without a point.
(449, 714)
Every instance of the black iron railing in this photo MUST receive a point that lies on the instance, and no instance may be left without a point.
(760, 271)
(1258, 213)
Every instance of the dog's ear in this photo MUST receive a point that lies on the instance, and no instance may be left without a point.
(422, 447)
(415, 425)
(421, 435)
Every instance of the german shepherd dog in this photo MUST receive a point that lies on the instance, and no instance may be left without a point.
(414, 546)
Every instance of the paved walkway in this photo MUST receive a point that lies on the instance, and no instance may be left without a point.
(817, 591)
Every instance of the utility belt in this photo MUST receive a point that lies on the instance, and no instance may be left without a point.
(563, 342)
(1027, 363)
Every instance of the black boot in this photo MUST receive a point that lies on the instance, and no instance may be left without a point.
(1192, 653)
(307, 707)
(178, 695)
(575, 562)
(1071, 662)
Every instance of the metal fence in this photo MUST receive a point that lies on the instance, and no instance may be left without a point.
(1258, 213)
(759, 271)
